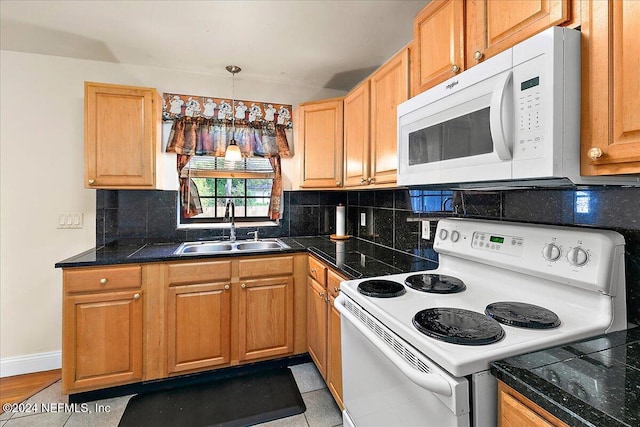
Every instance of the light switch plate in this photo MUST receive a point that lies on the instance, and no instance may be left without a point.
(71, 220)
(363, 219)
(426, 230)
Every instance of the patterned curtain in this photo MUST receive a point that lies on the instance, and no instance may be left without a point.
(200, 136)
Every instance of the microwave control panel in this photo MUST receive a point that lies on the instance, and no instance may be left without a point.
(529, 118)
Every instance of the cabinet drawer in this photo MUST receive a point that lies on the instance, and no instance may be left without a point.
(333, 283)
(262, 267)
(199, 272)
(103, 279)
(317, 271)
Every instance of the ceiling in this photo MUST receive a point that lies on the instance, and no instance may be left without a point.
(328, 44)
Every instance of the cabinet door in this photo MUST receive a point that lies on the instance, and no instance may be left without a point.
(265, 324)
(610, 112)
(320, 128)
(317, 325)
(121, 136)
(389, 87)
(102, 343)
(438, 35)
(495, 26)
(356, 136)
(334, 353)
(198, 322)
(515, 410)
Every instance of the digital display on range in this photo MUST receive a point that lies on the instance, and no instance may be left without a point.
(530, 83)
(496, 239)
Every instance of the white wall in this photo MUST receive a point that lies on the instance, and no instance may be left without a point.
(41, 175)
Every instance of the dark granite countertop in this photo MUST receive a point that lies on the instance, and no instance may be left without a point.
(355, 258)
(593, 382)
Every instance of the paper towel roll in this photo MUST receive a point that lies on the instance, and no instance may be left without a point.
(340, 220)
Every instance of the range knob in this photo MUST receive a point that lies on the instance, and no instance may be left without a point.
(577, 256)
(551, 252)
(455, 236)
(443, 234)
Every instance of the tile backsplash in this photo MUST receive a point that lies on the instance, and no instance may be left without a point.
(391, 217)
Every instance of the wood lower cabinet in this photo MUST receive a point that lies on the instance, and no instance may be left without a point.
(122, 136)
(515, 410)
(102, 329)
(610, 133)
(320, 128)
(266, 318)
(135, 323)
(323, 326)
(198, 326)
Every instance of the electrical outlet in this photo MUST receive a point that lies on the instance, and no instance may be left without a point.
(363, 219)
(426, 230)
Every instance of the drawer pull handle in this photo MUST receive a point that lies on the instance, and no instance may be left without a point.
(103, 281)
(136, 296)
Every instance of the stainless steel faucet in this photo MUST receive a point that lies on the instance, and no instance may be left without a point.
(232, 230)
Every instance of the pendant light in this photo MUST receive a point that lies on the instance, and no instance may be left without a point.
(232, 153)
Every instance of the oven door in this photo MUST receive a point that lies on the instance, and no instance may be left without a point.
(386, 382)
(461, 130)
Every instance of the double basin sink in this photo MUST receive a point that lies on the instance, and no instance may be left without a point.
(241, 246)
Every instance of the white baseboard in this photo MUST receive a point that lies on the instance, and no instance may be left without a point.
(30, 363)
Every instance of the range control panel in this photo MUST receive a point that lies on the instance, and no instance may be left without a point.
(583, 257)
(493, 242)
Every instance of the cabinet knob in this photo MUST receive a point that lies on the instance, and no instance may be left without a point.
(92, 181)
(336, 290)
(595, 153)
(371, 180)
(321, 294)
(243, 285)
(455, 69)
(363, 181)
(226, 287)
(103, 281)
(478, 55)
(338, 183)
(136, 296)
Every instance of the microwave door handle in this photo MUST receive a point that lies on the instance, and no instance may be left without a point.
(432, 382)
(498, 126)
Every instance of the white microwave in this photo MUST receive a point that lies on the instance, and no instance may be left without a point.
(511, 120)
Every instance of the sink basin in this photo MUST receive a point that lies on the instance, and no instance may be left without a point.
(204, 248)
(216, 247)
(255, 246)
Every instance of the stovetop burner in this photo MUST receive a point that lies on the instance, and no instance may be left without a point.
(458, 326)
(435, 283)
(522, 315)
(379, 288)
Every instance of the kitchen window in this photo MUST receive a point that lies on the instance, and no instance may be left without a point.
(247, 183)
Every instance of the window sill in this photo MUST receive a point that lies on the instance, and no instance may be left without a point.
(227, 225)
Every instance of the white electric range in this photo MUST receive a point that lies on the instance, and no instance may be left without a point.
(416, 347)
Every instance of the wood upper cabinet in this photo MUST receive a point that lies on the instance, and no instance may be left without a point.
(103, 330)
(356, 135)
(610, 134)
(438, 37)
(515, 410)
(266, 318)
(122, 136)
(389, 87)
(320, 128)
(495, 26)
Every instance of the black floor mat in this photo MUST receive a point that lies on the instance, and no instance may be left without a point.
(239, 401)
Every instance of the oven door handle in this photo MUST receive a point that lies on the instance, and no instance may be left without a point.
(432, 382)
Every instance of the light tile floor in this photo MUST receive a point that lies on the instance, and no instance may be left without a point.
(322, 410)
